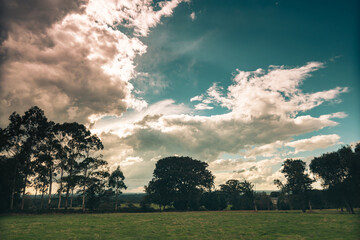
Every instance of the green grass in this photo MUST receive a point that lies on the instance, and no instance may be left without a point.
(186, 225)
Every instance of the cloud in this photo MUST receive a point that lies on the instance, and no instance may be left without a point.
(274, 92)
(267, 150)
(263, 114)
(260, 173)
(192, 16)
(35, 16)
(203, 106)
(196, 98)
(137, 14)
(71, 59)
(266, 109)
(315, 142)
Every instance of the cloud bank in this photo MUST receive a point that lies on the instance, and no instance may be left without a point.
(70, 57)
(266, 109)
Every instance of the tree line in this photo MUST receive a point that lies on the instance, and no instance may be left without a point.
(37, 153)
(339, 173)
(185, 184)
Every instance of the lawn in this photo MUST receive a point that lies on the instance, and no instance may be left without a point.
(183, 225)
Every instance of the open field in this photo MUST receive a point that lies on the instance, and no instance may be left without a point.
(184, 225)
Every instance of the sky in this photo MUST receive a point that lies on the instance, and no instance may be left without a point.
(242, 85)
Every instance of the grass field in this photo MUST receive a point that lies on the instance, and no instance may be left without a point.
(186, 225)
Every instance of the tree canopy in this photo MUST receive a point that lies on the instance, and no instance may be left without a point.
(298, 183)
(179, 181)
(340, 173)
(36, 152)
(240, 194)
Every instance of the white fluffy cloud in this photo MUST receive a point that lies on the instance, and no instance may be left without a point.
(263, 113)
(71, 59)
(274, 92)
(266, 110)
(259, 173)
(315, 142)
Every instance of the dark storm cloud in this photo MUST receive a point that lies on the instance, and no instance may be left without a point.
(35, 15)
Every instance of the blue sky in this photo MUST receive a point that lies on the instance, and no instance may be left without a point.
(190, 55)
(242, 85)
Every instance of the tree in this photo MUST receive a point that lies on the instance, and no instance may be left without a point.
(116, 182)
(263, 201)
(63, 151)
(76, 135)
(36, 128)
(19, 145)
(179, 181)
(340, 174)
(97, 184)
(240, 194)
(214, 201)
(92, 172)
(298, 183)
(12, 151)
(90, 165)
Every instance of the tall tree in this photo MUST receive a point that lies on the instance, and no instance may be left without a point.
(77, 134)
(62, 138)
(298, 183)
(179, 181)
(36, 127)
(116, 182)
(11, 150)
(97, 188)
(340, 173)
(20, 145)
(91, 163)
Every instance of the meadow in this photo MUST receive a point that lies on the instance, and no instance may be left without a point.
(325, 224)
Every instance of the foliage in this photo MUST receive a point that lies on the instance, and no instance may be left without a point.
(239, 194)
(263, 201)
(116, 183)
(298, 183)
(214, 201)
(179, 181)
(340, 174)
(37, 152)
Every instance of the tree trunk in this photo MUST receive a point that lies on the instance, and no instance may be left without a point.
(23, 194)
(50, 189)
(68, 187)
(71, 199)
(66, 198)
(310, 207)
(84, 189)
(35, 197)
(60, 189)
(349, 207)
(116, 201)
(13, 187)
(42, 199)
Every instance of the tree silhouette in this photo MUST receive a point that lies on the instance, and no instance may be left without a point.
(298, 183)
(340, 174)
(240, 194)
(179, 181)
(116, 182)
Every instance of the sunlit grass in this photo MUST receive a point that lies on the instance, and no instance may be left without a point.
(184, 225)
